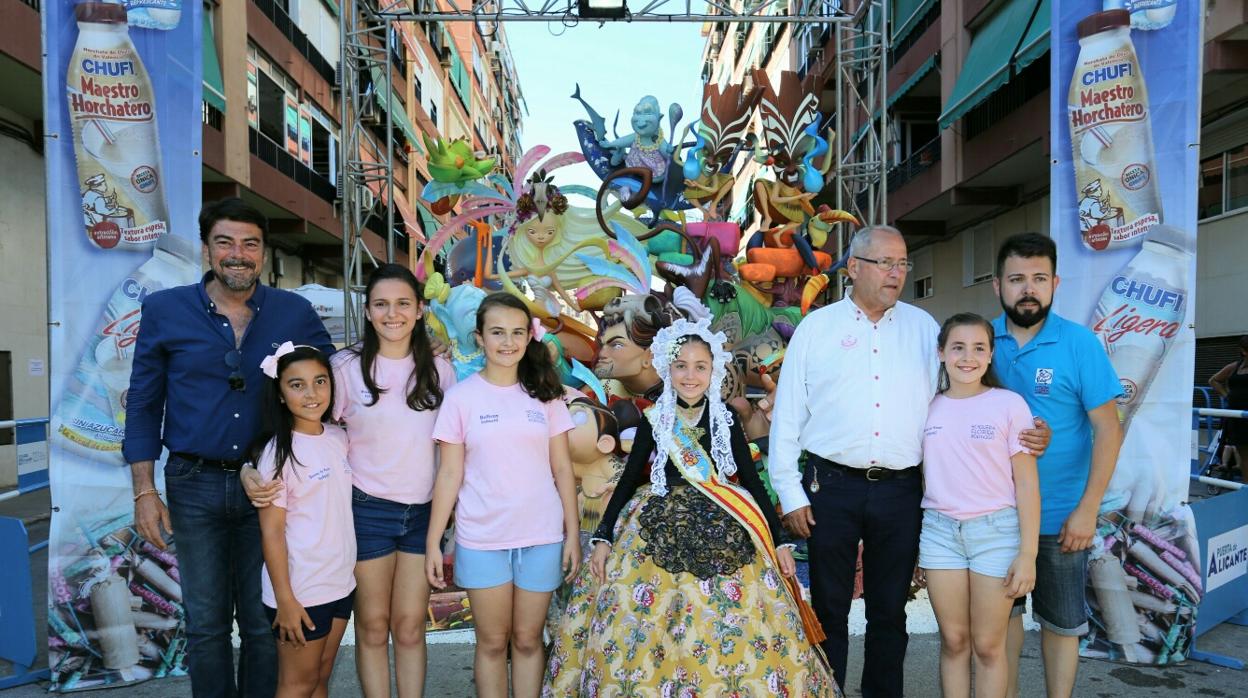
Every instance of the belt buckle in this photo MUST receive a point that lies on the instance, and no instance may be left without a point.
(873, 474)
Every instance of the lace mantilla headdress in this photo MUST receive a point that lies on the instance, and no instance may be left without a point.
(667, 344)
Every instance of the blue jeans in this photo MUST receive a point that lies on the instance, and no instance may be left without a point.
(217, 533)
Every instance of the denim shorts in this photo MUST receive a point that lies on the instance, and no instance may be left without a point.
(1059, 601)
(321, 616)
(383, 526)
(984, 544)
(537, 568)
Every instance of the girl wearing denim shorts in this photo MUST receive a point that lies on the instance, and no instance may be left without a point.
(506, 470)
(981, 502)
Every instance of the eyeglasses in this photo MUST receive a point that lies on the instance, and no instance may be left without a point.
(234, 360)
(887, 265)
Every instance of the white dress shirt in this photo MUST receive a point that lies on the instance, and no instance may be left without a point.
(852, 391)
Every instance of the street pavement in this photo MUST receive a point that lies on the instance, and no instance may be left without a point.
(450, 673)
(450, 665)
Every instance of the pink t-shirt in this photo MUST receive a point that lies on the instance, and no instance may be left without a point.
(967, 446)
(508, 499)
(320, 535)
(392, 453)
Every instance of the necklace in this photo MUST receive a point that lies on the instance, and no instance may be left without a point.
(642, 145)
(690, 415)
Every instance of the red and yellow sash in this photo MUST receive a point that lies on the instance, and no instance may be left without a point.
(698, 469)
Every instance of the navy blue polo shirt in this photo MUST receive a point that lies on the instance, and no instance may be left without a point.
(1063, 373)
(181, 376)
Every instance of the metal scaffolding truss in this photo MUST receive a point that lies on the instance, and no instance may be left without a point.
(567, 11)
(862, 89)
(367, 35)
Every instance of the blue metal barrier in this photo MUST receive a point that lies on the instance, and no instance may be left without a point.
(18, 632)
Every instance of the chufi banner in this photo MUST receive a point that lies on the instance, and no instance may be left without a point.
(1125, 123)
(122, 111)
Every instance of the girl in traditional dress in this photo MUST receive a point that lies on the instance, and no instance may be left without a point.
(689, 594)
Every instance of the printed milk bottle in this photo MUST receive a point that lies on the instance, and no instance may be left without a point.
(154, 14)
(1111, 136)
(91, 417)
(113, 114)
(1146, 14)
(1142, 310)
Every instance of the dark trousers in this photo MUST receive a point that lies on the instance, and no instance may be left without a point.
(217, 533)
(886, 516)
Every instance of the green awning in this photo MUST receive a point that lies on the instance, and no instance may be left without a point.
(913, 80)
(906, 16)
(910, 82)
(1012, 38)
(382, 87)
(1036, 41)
(214, 88)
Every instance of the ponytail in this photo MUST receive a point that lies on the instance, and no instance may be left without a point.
(536, 370)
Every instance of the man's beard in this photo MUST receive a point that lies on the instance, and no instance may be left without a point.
(234, 283)
(1026, 319)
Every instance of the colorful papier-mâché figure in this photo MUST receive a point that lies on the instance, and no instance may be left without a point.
(707, 167)
(786, 250)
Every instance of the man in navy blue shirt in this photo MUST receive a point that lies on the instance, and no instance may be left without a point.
(195, 389)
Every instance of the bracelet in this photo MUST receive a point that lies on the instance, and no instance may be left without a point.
(146, 492)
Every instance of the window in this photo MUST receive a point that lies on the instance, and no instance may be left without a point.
(416, 87)
(977, 254)
(433, 114)
(1212, 184)
(923, 287)
(272, 109)
(1223, 182)
(1237, 178)
(921, 284)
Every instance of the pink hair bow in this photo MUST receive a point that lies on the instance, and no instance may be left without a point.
(539, 330)
(269, 365)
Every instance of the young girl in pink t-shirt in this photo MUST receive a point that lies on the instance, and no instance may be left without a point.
(505, 469)
(981, 502)
(307, 536)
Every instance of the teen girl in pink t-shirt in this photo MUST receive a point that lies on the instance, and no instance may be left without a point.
(389, 389)
(981, 518)
(506, 470)
(306, 535)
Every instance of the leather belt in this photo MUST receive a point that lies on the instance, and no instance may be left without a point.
(872, 474)
(214, 463)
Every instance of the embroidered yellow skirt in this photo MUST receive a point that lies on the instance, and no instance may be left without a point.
(649, 632)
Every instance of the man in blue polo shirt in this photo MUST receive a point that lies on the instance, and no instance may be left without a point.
(197, 374)
(1062, 371)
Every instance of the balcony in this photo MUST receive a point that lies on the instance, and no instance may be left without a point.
(287, 28)
(919, 162)
(279, 159)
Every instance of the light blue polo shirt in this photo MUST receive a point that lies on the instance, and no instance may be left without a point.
(1062, 373)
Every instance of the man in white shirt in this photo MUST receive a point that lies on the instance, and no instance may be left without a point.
(867, 366)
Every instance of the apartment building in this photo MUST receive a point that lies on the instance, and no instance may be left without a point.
(968, 142)
(271, 135)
